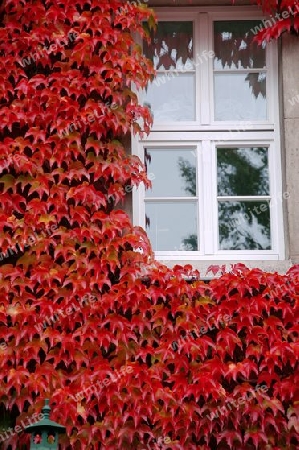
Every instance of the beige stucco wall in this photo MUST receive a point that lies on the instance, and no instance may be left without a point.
(290, 132)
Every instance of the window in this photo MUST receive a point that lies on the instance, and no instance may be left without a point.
(213, 155)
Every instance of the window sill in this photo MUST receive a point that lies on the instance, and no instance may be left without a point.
(202, 266)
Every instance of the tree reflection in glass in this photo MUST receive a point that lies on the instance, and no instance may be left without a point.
(243, 224)
(188, 174)
(171, 206)
(242, 171)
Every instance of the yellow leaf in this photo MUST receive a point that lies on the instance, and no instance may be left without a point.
(46, 218)
(205, 301)
(8, 181)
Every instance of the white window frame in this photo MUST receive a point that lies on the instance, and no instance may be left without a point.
(205, 135)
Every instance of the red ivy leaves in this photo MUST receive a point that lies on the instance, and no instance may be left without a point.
(280, 16)
(129, 352)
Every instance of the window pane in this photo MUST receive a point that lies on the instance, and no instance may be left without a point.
(234, 46)
(244, 225)
(172, 171)
(172, 225)
(171, 97)
(240, 96)
(243, 171)
(171, 45)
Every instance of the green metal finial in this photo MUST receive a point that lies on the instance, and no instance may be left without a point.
(46, 409)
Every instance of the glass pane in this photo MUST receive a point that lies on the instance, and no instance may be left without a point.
(172, 225)
(234, 46)
(171, 45)
(171, 97)
(240, 96)
(243, 171)
(244, 225)
(172, 171)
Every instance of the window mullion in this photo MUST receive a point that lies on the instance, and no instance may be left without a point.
(239, 71)
(170, 199)
(138, 194)
(208, 182)
(243, 198)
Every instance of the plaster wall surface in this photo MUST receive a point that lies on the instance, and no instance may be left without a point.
(290, 130)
